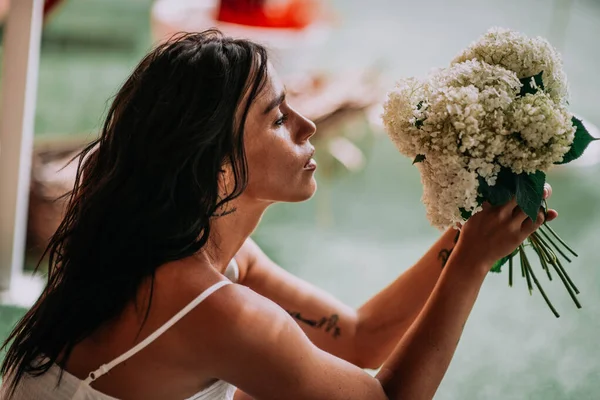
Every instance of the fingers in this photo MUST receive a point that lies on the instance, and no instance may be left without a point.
(519, 215)
(529, 226)
(518, 218)
(507, 210)
(512, 219)
(547, 190)
(513, 214)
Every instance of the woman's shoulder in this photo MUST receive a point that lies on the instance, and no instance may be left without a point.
(232, 321)
(222, 312)
(182, 338)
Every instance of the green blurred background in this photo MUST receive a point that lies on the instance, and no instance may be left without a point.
(512, 347)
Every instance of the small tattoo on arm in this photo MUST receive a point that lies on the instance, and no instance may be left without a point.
(444, 254)
(329, 324)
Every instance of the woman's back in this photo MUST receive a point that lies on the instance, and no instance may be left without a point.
(71, 388)
(159, 365)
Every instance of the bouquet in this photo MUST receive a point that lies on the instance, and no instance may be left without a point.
(487, 129)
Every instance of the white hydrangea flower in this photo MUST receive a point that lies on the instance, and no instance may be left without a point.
(469, 121)
(543, 134)
(525, 56)
(447, 188)
(400, 113)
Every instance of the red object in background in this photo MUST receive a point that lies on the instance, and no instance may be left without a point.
(49, 5)
(293, 14)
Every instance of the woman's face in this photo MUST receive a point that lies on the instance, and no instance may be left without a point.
(276, 142)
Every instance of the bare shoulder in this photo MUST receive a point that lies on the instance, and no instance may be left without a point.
(251, 342)
(236, 328)
(228, 314)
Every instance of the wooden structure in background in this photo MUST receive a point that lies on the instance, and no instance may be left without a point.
(22, 37)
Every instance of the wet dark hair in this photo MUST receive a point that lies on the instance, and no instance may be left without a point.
(145, 190)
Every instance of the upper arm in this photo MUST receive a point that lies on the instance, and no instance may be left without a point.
(258, 347)
(329, 323)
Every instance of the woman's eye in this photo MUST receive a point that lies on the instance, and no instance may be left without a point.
(280, 121)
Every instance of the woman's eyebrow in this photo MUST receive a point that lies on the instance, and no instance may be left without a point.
(276, 102)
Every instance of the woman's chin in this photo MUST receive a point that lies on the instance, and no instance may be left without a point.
(306, 192)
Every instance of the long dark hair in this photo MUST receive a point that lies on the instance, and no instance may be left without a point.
(145, 190)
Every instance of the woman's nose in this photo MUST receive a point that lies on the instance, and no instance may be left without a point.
(306, 128)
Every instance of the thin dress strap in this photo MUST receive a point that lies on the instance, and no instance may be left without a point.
(107, 367)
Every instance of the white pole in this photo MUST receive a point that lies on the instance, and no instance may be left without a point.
(21, 52)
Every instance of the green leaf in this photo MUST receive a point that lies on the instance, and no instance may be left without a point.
(530, 191)
(507, 179)
(419, 122)
(502, 192)
(499, 195)
(580, 143)
(528, 87)
(480, 200)
(538, 80)
(418, 158)
(465, 214)
(504, 189)
(497, 267)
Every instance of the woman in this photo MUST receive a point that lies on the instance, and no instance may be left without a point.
(197, 144)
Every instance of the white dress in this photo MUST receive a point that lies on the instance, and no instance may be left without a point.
(72, 388)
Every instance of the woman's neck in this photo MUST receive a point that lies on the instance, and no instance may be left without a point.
(229, 231)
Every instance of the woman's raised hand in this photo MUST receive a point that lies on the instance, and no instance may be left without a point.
(497, 231)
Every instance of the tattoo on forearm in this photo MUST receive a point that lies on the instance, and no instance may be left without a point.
(329, 324)
(444, 254)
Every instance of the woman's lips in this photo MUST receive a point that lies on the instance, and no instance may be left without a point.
(311, 165)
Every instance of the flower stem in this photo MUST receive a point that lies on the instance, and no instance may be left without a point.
(510, 270)
(525, 268)
(564, 272)
(537, 283)
(567, 286)
(556, 262)
(536, 246)
(559, 239)
(549, 239)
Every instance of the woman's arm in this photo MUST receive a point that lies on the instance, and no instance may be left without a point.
(364, 337)
(256, 346)
(419, 361)
(375, 330)
(386, 317)
(329, 323)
